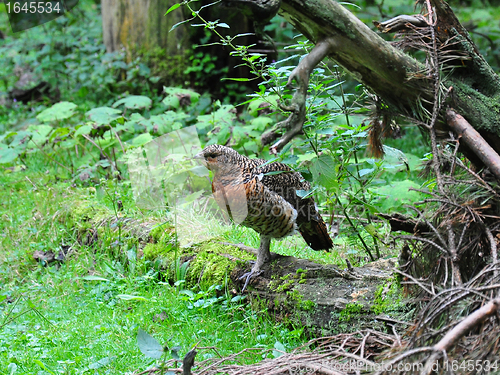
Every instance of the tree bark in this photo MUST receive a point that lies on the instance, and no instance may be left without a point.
(141, 25)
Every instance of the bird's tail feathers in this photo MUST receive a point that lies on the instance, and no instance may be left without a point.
(315, 233)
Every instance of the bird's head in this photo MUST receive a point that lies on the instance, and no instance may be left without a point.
(215, 157)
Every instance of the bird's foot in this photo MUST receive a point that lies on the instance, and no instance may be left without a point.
(248, 276)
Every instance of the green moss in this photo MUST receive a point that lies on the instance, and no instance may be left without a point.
(162, 233)
(82, 215)
(209, 267)
(300, 303)
(388, 298)
(153, 251)
(170, 69)
(302, 275)
(350, 309)
(282, 284)
(287, 282)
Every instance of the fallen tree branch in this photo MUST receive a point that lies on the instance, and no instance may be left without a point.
(451, 338)
(400, 22)
(474, 141)
(477, 317)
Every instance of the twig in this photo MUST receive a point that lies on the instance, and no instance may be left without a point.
(477, 317)
(415, 281)
(493, 247)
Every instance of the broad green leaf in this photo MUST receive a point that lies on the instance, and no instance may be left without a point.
(370, 228)
(39, 133)
(261, 122)
(192, 197)
(394, 196)
(238, 298)
(280, 349)
(20, 140)
(103, 115)
(365, 171)
(323, 171)
(187, 292)
(178, 93)
(69, 143)
(140, 140)
(223, 117)
(58, 111)
(101, 363)
(148, 345)
(171, 101)
(84, 129)
(12, 368)
(199, 171)
(306, 157)
(304, 193)
(134, 102)
(8, 155)
(174, 352)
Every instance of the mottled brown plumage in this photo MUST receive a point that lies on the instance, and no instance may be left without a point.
(264, 197)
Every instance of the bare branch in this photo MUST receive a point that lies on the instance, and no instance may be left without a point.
(474, 141)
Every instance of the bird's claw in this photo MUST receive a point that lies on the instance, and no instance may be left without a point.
(248, 276)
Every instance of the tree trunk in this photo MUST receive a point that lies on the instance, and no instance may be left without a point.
(140, 25)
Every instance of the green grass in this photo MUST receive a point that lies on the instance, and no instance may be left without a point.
(53, 320)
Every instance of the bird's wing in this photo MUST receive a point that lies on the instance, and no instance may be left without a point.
(268, 213)
(250, 203)
(310, 224)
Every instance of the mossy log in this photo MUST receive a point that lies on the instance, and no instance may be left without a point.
(324, 298)
(321, 297)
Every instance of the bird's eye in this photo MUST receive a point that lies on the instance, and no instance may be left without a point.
(212, 155)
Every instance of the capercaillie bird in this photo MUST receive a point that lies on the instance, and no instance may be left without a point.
(264, 197)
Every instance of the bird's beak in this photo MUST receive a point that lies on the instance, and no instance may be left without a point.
(200, 158)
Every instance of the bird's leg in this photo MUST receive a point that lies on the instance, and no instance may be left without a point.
(263, 256)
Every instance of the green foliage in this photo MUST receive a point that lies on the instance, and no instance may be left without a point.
(389, 299)
(350, 309)
(83, 316)
(57, 112)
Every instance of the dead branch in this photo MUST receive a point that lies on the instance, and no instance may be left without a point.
(461, 329)
(493, 248)
(474, 141)
(400, 22)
